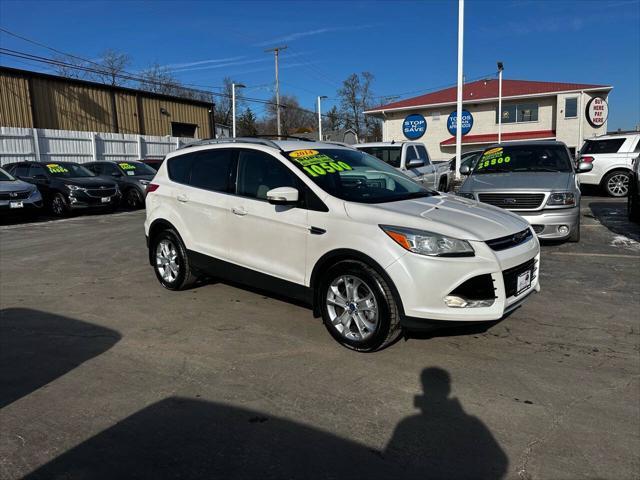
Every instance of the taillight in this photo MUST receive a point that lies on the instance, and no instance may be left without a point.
(152, 187)
(587, 159)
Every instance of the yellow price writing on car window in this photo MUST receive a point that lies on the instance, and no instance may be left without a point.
(55, 168)
(126, 166)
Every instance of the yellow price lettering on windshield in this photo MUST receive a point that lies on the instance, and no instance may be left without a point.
(55, 168)
(323, 168)
(126, 166)
(492, 153)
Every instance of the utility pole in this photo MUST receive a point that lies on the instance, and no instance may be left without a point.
(233, 106)
(276, 51)
(459, 102)
(320, 118)
(500, 68)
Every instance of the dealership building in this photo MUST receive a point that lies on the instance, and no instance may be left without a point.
(531, 110)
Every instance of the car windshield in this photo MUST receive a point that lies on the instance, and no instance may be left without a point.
(356, 176)
(6, 176)
(135, 169)
(67, 170)
(390, 155)
(524, 158)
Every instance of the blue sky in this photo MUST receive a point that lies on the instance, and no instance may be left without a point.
(408, 46)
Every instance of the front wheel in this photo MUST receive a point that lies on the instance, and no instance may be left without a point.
(170, 261)
(358, 308)
(133, 199)
(59, 205)
(616, 184)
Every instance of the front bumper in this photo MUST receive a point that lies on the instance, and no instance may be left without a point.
(547, 223)
(423, 283)
(27, 205)
(80, 200)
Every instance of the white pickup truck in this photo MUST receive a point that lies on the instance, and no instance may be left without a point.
(413, 160)
(611, 157)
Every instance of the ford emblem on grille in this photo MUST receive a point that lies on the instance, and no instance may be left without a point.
(102, 187)
(510, 201)
(13, 194)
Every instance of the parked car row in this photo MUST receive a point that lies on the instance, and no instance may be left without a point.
(60, 188)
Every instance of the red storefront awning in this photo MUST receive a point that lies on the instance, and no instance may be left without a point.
(506, 137)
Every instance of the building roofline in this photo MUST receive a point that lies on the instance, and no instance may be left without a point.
(488, 100)
(30, 73)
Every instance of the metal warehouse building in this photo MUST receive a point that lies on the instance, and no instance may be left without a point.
(36, 100)
(568, 112)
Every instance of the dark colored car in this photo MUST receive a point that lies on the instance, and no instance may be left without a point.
(153, 162)
(132, 178)
(67, 186)
(633, 199)
(18, 196)
(468, 158)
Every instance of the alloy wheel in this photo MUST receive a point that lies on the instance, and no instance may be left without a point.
(167, 261)
(618, 185)
(352, 307)
(57, 205)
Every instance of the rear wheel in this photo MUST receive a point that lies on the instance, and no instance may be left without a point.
(358, 308)
(170, 261)
(575, 235)
(616, 184)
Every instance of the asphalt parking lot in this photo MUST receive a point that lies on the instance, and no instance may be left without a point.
(107, 375)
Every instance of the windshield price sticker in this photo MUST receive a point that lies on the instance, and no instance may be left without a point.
(493, 161)
(316, 163)
(303, 153)
(55, 168)
(127, 166)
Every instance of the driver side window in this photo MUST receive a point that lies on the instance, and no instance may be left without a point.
(411, 153)
(36, 170)
(259, 172)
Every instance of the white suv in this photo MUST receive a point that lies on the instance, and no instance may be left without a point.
(370, 250)
(611, 157)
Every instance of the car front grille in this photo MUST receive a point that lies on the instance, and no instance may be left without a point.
(101, 192)
(513, 201)
(510, 241)
(510, 276)
(15, 195)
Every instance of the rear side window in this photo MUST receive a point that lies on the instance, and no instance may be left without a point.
(210, 170)
(21, 171)
(35, 170)
(180, 167)
(602, 146)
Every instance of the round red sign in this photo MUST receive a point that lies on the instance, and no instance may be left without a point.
(597, 112)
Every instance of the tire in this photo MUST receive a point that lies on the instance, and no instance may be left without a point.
(132, 199)
(170, 261)
(575, 235)
(633, 208)
(616, 183)
(59, 206)
(370, 319)
(443, 185)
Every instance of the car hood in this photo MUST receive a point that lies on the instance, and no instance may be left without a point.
(15, 186)
(89, 182)
(444, 214)
(530, 181)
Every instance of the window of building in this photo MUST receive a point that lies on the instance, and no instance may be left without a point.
(259, 172)
(520, 112)
(185, 130)
(435, 116)
(571, 107)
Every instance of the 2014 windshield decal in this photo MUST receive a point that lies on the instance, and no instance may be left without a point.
(316, 163)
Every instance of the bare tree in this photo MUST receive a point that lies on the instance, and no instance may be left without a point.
(112, 65)
(333, 120)
(159, 79)
(72, 67)
(223, 101)
(355, 97)
(293, 118)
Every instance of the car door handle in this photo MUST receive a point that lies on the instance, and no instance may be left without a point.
(239, 211)
(182, 198)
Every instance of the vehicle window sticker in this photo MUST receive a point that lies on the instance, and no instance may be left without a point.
(316, 163)
(55, 168)
(126, 166)
(492, 157)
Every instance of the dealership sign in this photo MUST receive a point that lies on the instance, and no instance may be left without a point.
(597, 111)
(414, 126)
(467, 122)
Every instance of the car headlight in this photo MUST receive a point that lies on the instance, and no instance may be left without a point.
(562, 198)
(74, 188)
(466, 195)
(428, 243)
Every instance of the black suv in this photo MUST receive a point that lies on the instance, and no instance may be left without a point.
(132, 177)
(67, 186)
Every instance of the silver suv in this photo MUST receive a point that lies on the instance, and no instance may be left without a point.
(537, 180)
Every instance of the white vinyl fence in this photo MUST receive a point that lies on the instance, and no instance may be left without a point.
(44, 145)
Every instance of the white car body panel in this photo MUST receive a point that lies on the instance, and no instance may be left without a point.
(604, 163)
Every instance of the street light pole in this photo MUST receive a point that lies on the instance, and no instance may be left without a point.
(276, 52)
(233, 106)
(320, 118)
(459, 99)
(500, 68)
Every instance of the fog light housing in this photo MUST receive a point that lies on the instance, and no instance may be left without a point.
(455, 301)
(563, 229)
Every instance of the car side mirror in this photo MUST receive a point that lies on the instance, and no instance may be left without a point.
(584, 167)
(465, 170)
(283, 196)
(415, 163)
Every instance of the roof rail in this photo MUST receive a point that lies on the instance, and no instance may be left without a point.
(283, 137)
(214, 141)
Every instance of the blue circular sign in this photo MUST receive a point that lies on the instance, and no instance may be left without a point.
(467, 122)
(414, 126)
